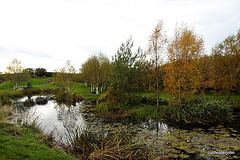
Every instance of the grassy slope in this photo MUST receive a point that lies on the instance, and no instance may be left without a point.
(6, 86)
(38, 83)
(23, 143)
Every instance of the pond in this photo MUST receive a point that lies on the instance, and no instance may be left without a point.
(213, 142)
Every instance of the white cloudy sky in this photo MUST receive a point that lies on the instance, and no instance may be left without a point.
(47, 33)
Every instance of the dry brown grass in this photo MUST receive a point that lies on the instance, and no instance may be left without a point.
(5, 112)
(115, 144)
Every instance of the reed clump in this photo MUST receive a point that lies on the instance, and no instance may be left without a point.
(115, 143)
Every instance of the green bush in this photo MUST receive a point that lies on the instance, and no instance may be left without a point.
(67, 96)
(133, 99)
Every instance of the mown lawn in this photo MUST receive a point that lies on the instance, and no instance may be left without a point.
(21, 143)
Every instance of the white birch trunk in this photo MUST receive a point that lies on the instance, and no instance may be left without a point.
(91, 87)
(15, 86)
(97, 89)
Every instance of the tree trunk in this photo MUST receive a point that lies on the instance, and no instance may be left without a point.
(105, 85)
(15, 86)
(85, 84)
(97, 89)
(91, 88)
(68, 87)
(157, 93)
(229, 97)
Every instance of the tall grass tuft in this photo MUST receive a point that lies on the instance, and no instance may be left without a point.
(30, 119)
(202, 110)
(116, 143)
(5, 111)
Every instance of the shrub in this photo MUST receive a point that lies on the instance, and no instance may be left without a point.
(103, 98)
(67, 96)
(133, 99)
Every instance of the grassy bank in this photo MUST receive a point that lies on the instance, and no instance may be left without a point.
(202, 109)
(49, 85)
(24, 143)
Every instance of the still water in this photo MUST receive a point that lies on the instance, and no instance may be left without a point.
(215, 142)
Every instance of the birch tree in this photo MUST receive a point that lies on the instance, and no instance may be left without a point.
(226, 61)
(65, 75)
(96, 71)
(183, 77)
(105, 71)
(157, 46)
(16, 73)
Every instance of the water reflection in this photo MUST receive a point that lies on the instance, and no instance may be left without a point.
(62, 119)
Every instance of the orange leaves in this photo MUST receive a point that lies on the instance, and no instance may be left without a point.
(183, 76)
(226, 64)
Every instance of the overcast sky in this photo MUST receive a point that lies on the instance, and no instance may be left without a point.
(47, 33)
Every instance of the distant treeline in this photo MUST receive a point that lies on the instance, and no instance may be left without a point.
(39, 72)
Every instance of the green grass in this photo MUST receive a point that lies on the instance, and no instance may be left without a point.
(20, 143)
(35, 82)
(163, 96)
(6, 86)
(235, 98)
(38, 83)
(146, 111)
(83, 91)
